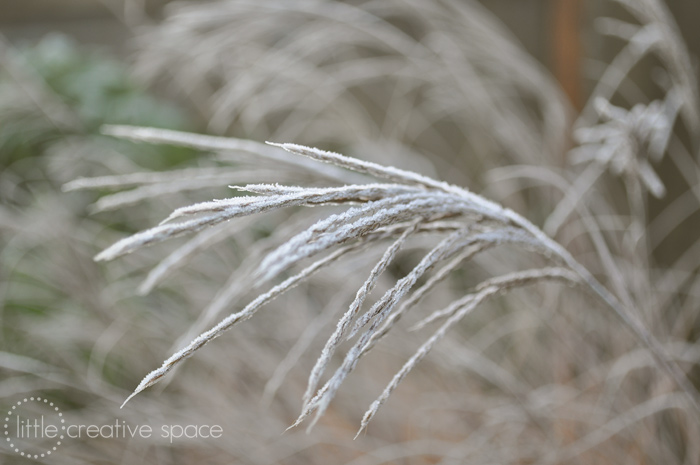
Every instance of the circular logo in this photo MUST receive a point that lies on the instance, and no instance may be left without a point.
(34, 427)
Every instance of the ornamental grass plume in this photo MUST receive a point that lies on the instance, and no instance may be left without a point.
(479, 354)
(409, 204)
(537, 375)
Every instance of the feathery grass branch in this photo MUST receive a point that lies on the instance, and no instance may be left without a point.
(412, 203)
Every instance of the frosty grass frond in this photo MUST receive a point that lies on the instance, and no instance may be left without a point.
(410, 204)
(458, 310)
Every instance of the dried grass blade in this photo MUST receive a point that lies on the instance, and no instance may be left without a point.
(344, 323)
(155, 376)
(458, 310)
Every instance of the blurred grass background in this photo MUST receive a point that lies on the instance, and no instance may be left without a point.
(68, 325)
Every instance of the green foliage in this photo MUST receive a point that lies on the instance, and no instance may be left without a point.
(55, 90)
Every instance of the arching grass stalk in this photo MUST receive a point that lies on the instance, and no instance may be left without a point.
(410, 204)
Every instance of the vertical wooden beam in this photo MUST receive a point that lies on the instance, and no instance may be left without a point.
(566, 50)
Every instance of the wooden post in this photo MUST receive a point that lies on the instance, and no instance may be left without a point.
(566, 47)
